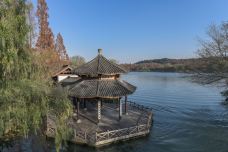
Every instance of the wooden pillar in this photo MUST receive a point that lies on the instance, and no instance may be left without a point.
(125, 105)
(84, 102)
(74, 102)
(101, 103)
(78, 105)
(98, 110)
(120, 109)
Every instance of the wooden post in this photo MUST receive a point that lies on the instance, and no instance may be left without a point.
(78, 109)
(75, 134)
(84, 102)
(108, 134)
(78, 105)
(101, 103)
(99, 110)
(125, 106)
(85, 136)
(74, 102)
(120, 109)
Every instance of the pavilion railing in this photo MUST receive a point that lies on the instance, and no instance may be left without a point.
(78, 134)
(120, 133)
(125, 132)
(134, 105)
(84, 136)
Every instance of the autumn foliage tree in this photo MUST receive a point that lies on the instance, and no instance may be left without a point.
(45, 43)
(46, 38)
(60, 48)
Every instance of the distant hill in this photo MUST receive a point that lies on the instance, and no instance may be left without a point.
(167, 60)
(170, 65)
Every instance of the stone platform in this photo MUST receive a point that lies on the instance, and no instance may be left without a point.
(136, 122)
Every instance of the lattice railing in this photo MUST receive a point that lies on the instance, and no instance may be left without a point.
(120, 132)
(134, 105)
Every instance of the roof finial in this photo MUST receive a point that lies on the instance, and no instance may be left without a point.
(100, 51)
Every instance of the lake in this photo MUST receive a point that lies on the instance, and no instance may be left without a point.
(188, 117)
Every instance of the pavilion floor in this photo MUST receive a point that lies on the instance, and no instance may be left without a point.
(109, 118)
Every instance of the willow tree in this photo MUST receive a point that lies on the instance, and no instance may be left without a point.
(214, 50)
(26, 97)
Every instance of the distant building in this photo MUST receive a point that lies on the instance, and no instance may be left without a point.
(65, 72)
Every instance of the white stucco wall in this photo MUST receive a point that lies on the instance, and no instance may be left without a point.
(62, 77)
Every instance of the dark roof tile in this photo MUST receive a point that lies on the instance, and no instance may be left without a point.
(99, 65)
(100, 88)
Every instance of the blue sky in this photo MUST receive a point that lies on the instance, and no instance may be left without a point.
(133, 30)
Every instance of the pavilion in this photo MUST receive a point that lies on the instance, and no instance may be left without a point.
(98, 80)
(98, 89)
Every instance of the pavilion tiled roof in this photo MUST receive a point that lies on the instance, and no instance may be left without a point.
(91, 88)
(99, 66)
(93, 83)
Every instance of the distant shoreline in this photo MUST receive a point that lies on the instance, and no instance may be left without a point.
(171, 65)
(165, 72)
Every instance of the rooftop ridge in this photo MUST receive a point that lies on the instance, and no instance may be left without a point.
(100, 65)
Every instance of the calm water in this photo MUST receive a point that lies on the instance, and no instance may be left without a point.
(187, 117)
